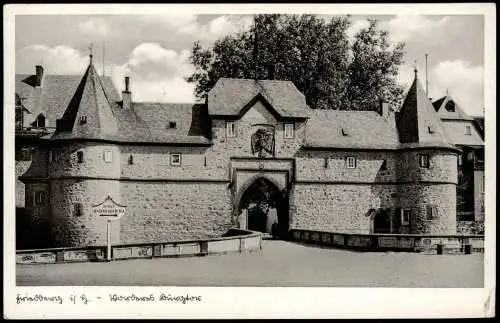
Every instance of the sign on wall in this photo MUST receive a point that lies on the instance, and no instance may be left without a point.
(109, 209)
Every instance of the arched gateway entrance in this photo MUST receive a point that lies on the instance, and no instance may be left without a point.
(261, 204)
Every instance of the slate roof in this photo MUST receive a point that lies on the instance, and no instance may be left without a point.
(447, 108)
(229, 96)
(350, 129)
(53, 97)
(107, 119)
(417, 122)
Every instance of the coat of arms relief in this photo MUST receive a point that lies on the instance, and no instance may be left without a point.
(263, 142)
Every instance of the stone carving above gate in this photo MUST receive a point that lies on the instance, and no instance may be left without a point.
(262, 141)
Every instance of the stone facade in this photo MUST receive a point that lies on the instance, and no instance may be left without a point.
(199, 197)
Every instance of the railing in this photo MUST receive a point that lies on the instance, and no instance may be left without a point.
(235, 240)
(429, 244)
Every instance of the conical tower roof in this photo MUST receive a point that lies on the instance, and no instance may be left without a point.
(418, 123)
(89, 114)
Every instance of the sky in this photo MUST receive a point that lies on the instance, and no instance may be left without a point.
(154, 50)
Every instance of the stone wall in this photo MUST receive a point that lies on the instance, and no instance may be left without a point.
(339, 207)
(332, 166)
(73, 229)
(159, 212)
(418, 197)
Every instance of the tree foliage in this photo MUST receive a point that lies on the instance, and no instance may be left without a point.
(316, 55)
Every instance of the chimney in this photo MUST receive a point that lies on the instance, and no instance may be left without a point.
(38, 75)
(384, 109)
(126, 95)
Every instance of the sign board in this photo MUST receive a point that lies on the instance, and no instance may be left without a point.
(109, 209)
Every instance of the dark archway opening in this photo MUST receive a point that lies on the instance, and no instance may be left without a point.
(382, 221)
(265, 204)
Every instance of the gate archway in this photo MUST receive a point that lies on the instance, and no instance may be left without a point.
(261, 204)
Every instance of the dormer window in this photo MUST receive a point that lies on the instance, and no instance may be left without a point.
(83, 119)
(468, 131)
(289, 130)
(39, 121)
(172, 125)
(230, 129)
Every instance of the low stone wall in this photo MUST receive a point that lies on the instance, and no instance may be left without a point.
(470, 227)
(235, 240)
(428, 244)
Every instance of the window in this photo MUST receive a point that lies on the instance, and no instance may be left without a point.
(172, 124)
(460, 159)
(345, 132)
(79, 155)
(289, 127)
(83, 119)
(424, 160)
(130, 160)
(175, 159)
(430, 129)
(351, 162)
(431, 212)
(39, 197)
(384, 165)
(108, 156)
(78, 209)
(230, 129)
(468, 130)
(50, 156)
(405, 216)
(39, 121)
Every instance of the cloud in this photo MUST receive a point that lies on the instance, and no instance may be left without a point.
(61, 59)
(95, 26)
(463, 81)
(189, 25)
(402, 28)
(157, 74)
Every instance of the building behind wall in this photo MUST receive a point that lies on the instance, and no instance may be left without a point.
(467, 134)
(182, 170)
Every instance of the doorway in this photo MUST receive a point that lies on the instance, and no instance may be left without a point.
(264, 204)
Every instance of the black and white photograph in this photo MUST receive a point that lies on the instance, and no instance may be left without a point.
(235, 161)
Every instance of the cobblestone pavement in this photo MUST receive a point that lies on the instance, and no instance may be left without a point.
(279, 263)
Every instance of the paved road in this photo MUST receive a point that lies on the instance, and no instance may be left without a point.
(279, 263)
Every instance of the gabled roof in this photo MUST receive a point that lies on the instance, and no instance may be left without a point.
(350, 129)
(417, 122)
(230, 96)
(447, 108)
(54, 96)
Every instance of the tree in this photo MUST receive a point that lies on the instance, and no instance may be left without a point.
(313, 53)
